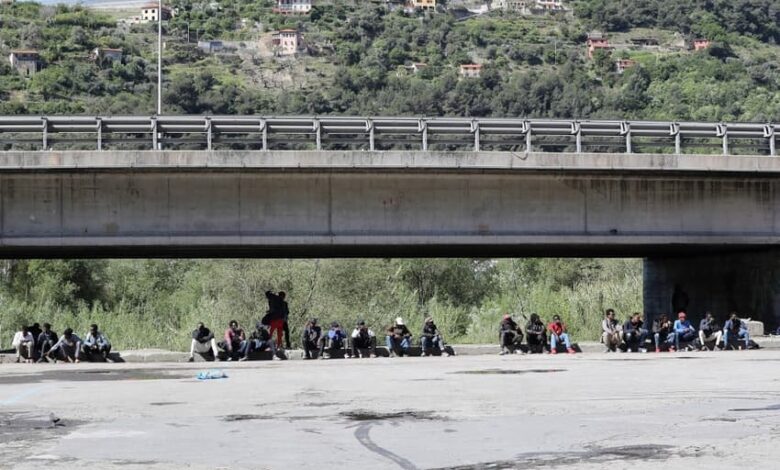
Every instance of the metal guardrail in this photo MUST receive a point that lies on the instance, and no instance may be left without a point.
(382, 133)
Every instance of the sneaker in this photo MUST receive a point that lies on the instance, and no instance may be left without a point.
(373, 355)
(244, 358)
(554, 351)
(607, 351)
(671, 349)
(446, 354)
(642, 350)
(571, 351)
(276, 358)
(191, 359)
(230, 359)
(502, 353)
(657, 350)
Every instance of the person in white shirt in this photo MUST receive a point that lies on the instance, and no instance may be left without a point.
(24, 341)
(362, 338)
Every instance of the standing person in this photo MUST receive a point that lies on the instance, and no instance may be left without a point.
(235, 341)
(96, 342)
(68, 348)
(611, 333)
(559, 335)
(332, 341)
(46, 340)
(399, 338)
(363, 337)
(663, 332)
(260, 340)
(509, 334)
(431, 337)
(24, 341)
(734, 330)
(709, 330)
(634, 334)
(310, 339)
(683, 331)
(203, 341)
(536, 335)
(278, 314)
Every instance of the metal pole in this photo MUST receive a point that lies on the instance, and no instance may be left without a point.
(159, 57)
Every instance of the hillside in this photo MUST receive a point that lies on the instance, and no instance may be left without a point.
(355, 58)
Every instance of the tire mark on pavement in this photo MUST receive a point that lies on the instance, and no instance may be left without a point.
(362, 435)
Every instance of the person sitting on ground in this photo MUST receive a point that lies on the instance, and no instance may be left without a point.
(46, 340)
(611, 333)
(68, 348)
(310, 339)
(509, 335)
(633, 333)
(399, 338)
(684, 332)
(35, 331)
(332, 341)
(536, 335)
(24, 342)
(363, 338)
(709, 331)
(663, 332)
(430, 338)
(203, 341)
(278, 313)
(559, 335)
(260, 340)
(96, 343)
(234, 343)
(735, 330)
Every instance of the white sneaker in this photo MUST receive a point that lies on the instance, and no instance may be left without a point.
(642, 350)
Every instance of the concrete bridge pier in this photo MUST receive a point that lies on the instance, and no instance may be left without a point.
(745, 282)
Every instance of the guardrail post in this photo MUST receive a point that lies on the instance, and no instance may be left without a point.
(208, 133)
(45, 133)
(722, 131)
(370, 129)
(527, 129)
(769, 133)
(475, 130)
(155, 140)
(99, 130)
(625, 129)
(264, 130)
(674, 130)
(576, 129)
(317, 129)
(422, 127)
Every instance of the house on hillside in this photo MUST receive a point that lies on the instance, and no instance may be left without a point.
(149, 12)
(288, 42)
(549, 5)
(293, 7)
(210, 47)
(596, 41)
(622, 64)
(26, 62)
(424, 5)
(103, 55)
(470, 70)
(644, 41)
(6, 2)
(700, 44)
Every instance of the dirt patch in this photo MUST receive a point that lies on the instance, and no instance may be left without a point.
(763, 408)
(231, 418)
(100, 375)
(508, 371)
(18, 427)
(364, 415)
(166, 403)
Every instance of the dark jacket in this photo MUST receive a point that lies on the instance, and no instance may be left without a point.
(535, 328)
(44, 336)
(277, 308)
(430, 330)
(312, 333)
(399, 331)
(631, 328)
(708, 326)
(202, 335)
(662, 329)
(508, 325)
(261, 334)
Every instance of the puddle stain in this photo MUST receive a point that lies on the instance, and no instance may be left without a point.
(100, 375)
(363, 415)
(763, 408)
(508, 371)
(166, 403)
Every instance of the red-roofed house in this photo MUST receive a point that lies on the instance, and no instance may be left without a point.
(596, 41)
(699, 44)
(470, 70)
(623, 64)
(288, 42)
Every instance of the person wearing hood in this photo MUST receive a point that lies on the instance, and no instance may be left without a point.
(633, 333)
(202, 342)
(46, 340)
(362, 338)
(735, 330)
(558, 335)
(399, 338)
(260, 340)
(663, 332)
(536, 335)
(310, 338)
(509, 335)
(709, 331)
(96, 342)
(683, 331)
(431, 337)
(332, 341)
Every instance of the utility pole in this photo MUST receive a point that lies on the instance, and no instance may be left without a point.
(159, 57)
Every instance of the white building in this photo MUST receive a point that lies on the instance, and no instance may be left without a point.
(293, 7)
(288, 42)
(149, 13)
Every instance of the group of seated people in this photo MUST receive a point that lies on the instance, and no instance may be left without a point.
(631, 335)
(316, 342)
(511, 335)
(33, 344)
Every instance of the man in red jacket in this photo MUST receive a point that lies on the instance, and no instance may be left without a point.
(558, 334)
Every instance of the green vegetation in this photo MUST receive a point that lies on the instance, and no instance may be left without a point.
(156, 303)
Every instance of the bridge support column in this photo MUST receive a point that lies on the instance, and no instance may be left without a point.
(748, 283)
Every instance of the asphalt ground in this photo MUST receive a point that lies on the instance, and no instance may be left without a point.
(590, 411)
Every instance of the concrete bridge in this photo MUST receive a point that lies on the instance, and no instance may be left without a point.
(707, 225)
